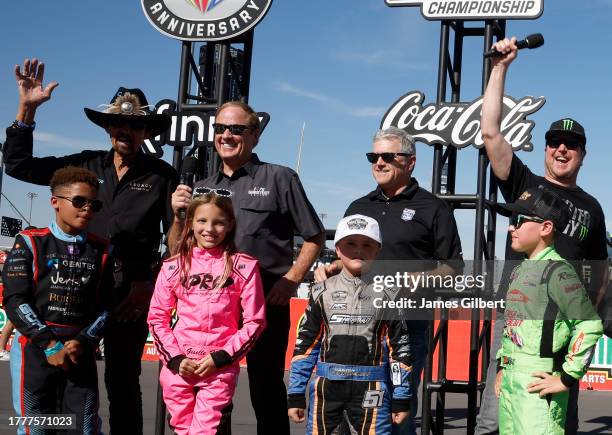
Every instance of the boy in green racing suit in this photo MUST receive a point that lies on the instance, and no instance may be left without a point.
(551, 327)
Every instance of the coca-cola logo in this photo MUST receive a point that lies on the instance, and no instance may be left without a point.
(458, 124)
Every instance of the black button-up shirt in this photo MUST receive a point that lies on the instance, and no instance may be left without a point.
(270, 206)
(414, 225)
(133, 206)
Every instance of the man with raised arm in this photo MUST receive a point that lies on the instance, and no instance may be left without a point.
(135, 190)
(584, 236)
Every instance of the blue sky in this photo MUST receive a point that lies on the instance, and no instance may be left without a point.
(336, 65)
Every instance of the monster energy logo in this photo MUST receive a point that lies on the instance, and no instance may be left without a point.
(568, 124)
(584, 231)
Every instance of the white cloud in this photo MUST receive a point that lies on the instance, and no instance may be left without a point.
(66, 143)
(387, 58)
(332, 103)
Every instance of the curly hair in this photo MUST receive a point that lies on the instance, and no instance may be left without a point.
(70, 175)
(187, 240)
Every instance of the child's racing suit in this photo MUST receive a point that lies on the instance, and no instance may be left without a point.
(550, 326)
(361, 354)
(223, 323)
(54, 289)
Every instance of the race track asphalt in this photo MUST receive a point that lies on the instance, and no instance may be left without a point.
(595, 407)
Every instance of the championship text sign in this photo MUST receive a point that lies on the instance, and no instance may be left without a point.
(458, 124)
(204, 20)
(475, 9)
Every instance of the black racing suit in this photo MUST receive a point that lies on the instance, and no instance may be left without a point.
(53, 290)
(361, 354)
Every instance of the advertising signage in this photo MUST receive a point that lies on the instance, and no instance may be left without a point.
(458, 124)
(475, 9)
(204, 20)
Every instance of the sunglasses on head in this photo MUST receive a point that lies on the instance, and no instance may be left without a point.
(235, 129)
(201, 191)
(570, 143)
(82, 202)
(387, 157)
(118, 122)
(516, 220)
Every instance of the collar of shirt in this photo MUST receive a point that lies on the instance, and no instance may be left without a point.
(249, 168)
(407, 193)
(347, 278)
(206, 253)
(60, 234)
(108, 159)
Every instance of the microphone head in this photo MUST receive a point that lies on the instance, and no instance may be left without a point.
(190, 165)
(534, 41)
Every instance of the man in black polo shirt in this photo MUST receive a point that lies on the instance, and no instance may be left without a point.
(135, 190)
(584, 238)
(414, 225)
(270, 206)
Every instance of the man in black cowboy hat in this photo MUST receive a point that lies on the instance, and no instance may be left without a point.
(135, 190)
(583, 238)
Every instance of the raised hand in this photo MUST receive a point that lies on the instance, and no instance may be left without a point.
(30, 84)
(509, 50)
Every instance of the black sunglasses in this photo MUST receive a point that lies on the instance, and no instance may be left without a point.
(201, 191)
(570, 143)
(516, 220)
(387, 157)
(81, 202)
(235, 129)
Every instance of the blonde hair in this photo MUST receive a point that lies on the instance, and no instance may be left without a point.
(187, 240)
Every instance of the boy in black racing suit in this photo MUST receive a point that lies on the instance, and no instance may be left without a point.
(53, 286)
(362, 358)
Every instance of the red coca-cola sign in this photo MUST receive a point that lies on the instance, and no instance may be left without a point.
(458, 124)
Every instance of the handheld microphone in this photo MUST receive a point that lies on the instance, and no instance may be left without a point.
(532, 41)
(190, 165)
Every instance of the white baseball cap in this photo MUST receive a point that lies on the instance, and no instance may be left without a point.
(357, 224)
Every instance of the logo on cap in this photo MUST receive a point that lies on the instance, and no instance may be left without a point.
(357, 224)
(568, 124)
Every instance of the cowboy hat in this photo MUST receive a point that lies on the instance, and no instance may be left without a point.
(130, 106)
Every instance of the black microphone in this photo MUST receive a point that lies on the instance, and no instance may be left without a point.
(532, 41)
(190, 166)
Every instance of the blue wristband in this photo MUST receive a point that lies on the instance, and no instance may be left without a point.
(55, 349)
(23, 126)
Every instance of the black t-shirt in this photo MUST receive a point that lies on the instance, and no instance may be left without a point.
(584, 237)
(414, 225)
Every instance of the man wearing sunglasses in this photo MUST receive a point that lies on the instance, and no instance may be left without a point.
(135, 191)
(270, 206)
(584, 236)
(415, 226)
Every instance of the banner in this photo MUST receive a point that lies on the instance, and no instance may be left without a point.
(10, 226)
(475, 9)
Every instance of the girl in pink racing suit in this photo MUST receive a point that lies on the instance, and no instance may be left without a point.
(219, 302)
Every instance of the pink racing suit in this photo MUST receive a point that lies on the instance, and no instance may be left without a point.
(224, 323)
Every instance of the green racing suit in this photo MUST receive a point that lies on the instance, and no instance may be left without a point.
(550, 326)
